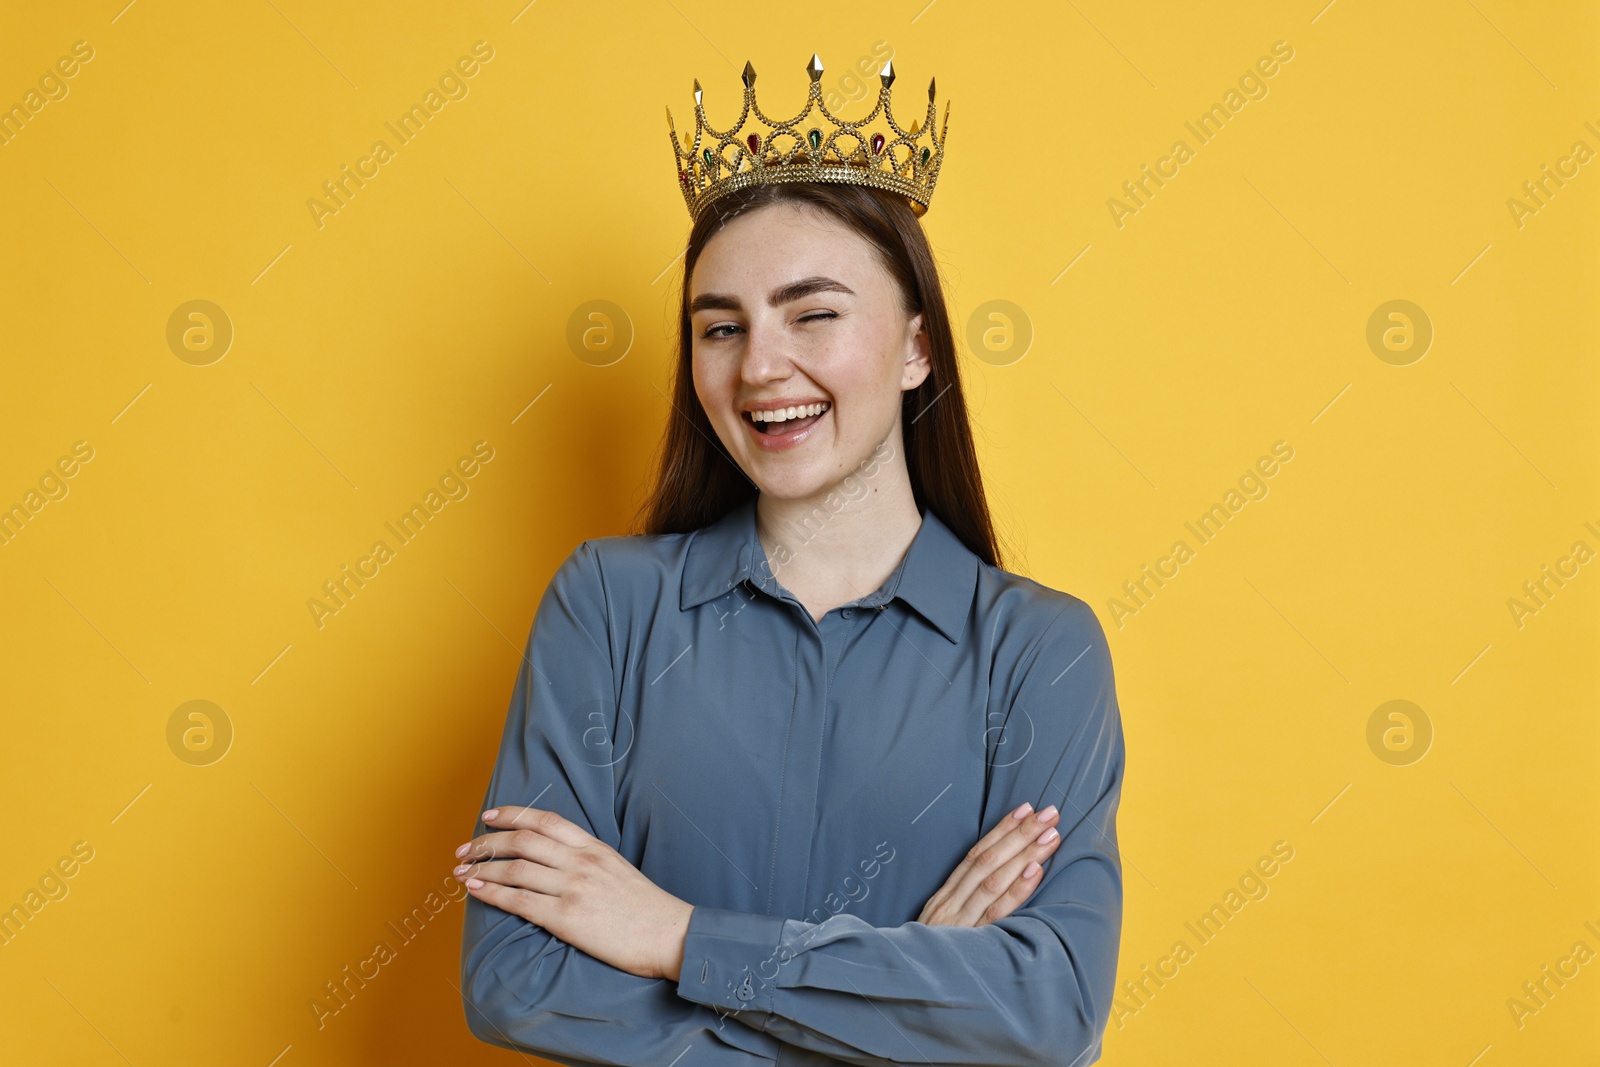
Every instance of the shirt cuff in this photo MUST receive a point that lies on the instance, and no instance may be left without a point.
(731, 959)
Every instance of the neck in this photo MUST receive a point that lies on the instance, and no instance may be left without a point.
(841, 542)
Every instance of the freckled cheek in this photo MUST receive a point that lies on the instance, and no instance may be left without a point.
(858, 390)
(713, 392)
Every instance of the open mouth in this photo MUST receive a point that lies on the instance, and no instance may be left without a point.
(788, 421)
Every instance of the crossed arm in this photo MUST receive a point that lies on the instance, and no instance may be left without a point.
(572, 952)
(556, 875)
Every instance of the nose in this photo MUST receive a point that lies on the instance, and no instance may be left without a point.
(766, 354)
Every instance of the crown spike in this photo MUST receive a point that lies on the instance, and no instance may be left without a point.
(705, 174)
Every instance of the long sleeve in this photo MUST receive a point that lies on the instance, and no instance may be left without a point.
(1032, 988)
(523, 988)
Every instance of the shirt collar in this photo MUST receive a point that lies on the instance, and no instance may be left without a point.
(937, 576)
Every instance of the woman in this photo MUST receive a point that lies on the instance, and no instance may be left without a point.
(765, 788)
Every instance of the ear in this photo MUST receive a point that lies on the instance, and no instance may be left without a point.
(919, 358)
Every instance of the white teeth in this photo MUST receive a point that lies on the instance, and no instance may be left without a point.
(785, 414)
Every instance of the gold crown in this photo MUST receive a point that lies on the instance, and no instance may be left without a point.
(900, 164)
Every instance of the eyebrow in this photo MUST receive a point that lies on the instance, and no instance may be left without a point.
(777, 298)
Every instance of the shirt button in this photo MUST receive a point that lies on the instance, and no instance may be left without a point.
(845, 613)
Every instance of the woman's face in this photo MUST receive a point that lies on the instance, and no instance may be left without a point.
(791, 308)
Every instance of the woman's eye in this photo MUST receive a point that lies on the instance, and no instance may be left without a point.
(711, 333)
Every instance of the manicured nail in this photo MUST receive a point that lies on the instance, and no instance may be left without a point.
(1044, 816)
(474, 883)
(462, 851)
(1020, 812)
(1030, 870)
(463, 869)
(491, 814)
(1048, 836)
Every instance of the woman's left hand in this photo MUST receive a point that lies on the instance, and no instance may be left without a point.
(553, 873)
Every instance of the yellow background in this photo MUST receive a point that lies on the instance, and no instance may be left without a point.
(369, 354)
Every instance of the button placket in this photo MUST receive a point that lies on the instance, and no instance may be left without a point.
(795, 829)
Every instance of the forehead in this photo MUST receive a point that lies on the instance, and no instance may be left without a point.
(778, 243)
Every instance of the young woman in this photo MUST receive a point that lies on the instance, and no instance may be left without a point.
(765, 791)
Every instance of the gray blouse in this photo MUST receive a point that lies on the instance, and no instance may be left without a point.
(807, 786)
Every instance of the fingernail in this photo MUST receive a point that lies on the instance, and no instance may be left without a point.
(474, 883)
(1030, 870)
(463, 869)
(462, 851)
(492, 813)
(1048, 836)
(1020, 812)
(1044, 816)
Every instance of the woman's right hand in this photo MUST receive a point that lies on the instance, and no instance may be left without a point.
(998, 874)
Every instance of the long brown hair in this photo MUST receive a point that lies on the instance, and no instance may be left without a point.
(696, 482)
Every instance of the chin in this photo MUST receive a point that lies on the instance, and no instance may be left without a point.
(787, 489)
(795, 486)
